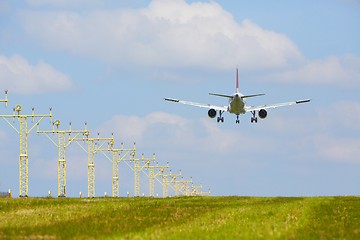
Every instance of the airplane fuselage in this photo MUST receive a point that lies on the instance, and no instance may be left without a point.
(237, 104)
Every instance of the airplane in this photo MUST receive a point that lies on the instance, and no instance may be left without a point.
(237, 105)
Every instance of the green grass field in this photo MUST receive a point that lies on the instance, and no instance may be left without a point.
(181, 218)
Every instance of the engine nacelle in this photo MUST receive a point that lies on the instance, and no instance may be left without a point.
(212, 113)
(262, 113)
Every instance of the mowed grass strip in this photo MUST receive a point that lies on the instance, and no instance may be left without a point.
(181, 218)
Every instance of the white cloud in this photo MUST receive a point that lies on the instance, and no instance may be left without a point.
(17, 75)
(347, 115)
(332, 132)
(339, 71)
(338, 149)
(166, 33)
(175, 33)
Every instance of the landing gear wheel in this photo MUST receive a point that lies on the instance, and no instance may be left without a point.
(220, 118)
(254, 118)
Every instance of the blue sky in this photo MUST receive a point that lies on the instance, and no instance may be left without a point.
(109, 63)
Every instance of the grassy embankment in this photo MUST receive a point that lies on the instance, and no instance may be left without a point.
(181, 218)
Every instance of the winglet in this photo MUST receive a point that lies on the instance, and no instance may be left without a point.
(303, 101)
(171, 99)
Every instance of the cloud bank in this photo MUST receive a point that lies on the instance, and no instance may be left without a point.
(178, 34)
(19, 76)
(338, 71)
(166, 33)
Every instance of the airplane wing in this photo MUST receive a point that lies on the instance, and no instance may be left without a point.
(257, 108)
(202, 105)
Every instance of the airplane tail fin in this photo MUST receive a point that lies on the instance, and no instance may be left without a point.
(237, 90)
(237, 87)
(237, 79)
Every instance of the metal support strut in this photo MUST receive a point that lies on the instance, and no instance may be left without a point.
(23, 159)
(61, 165)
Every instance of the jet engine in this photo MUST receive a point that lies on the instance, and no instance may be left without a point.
(212, 113)
(262, 113)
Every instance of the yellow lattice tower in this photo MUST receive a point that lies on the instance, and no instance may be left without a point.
(184, 188)
(118, 155)
(65, 138)
(166, 179)
(91, 151)
(194, 190)
(153, 175)
(198, 191)
(165, 183)
(137, 169)
(23, 132)
(177, 187)
(173, 177)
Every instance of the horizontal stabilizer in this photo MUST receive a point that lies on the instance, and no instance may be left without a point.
(220, 95)
(254, 95)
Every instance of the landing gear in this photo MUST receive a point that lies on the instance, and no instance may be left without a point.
(237, 119)
(220, 118)
(254, 118)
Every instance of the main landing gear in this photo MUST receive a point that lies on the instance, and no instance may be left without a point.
(254, 118)
(220, 118)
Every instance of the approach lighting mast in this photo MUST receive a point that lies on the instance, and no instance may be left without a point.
(165, 183)
(94, 145)
(153, 175)
(137, 169)
(198, 191)
(23, 131)
(118, 155)
(65, 138)
(184, 188)
(173, 177)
